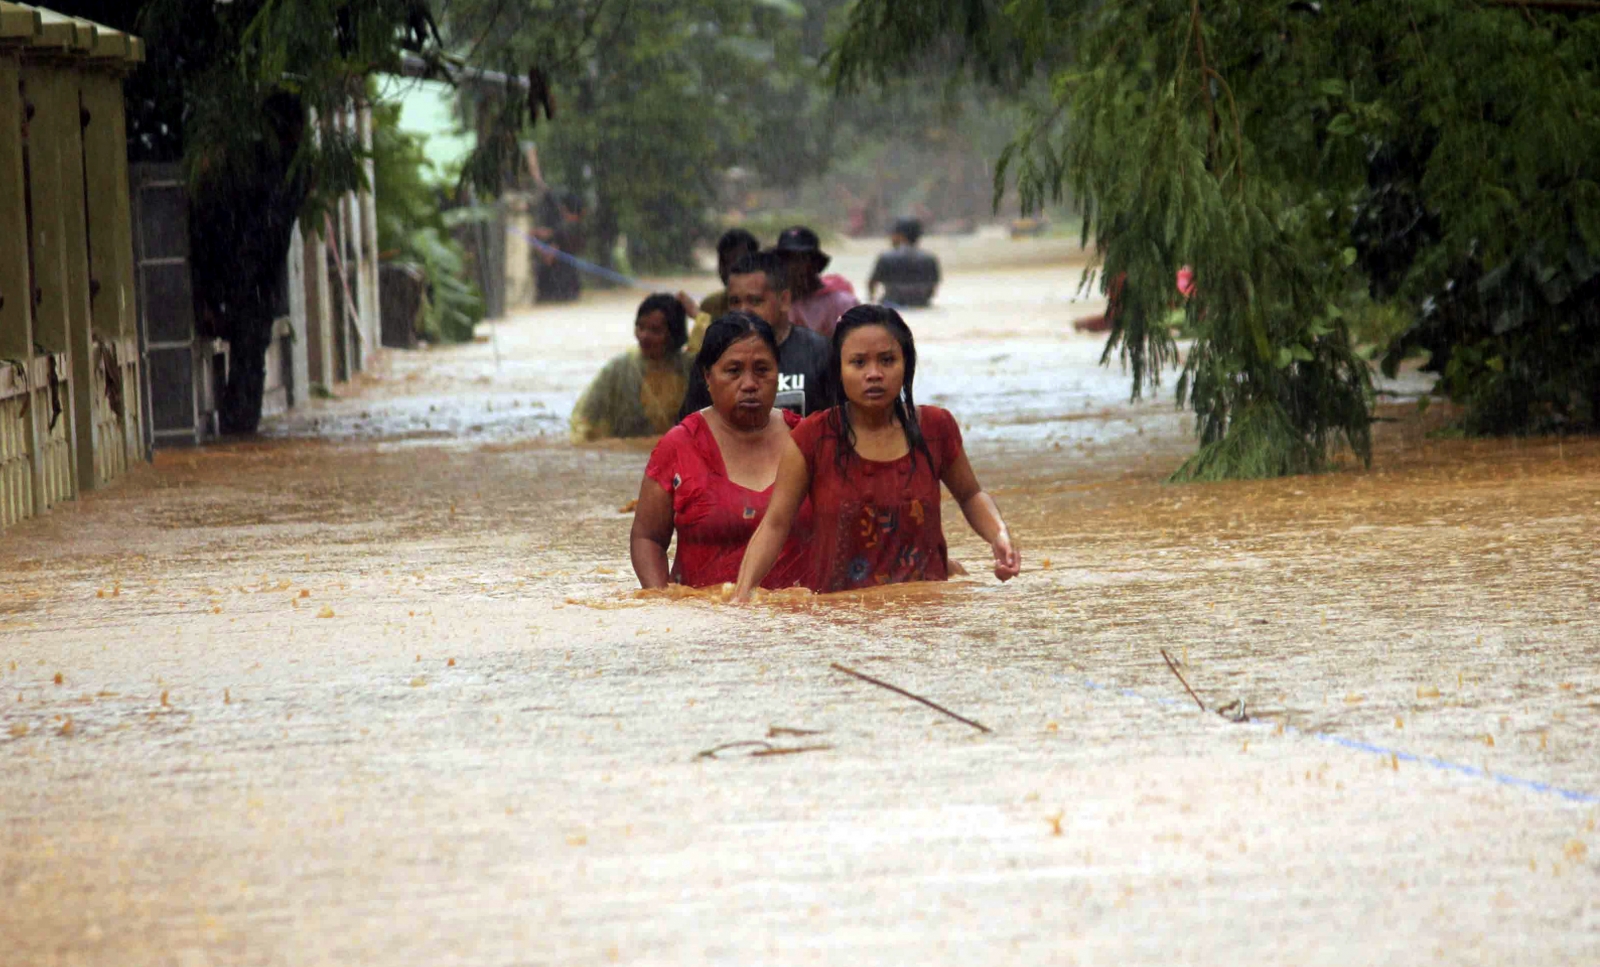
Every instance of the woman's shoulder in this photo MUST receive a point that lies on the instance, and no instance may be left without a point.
(677, 450)
(686, 433)
(941, 431)
(811, 430)
(816, 423)
(935, 417)
(627, 359)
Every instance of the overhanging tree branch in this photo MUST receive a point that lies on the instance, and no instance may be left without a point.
(1557, 6)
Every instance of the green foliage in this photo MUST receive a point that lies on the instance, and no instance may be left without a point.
(1375, 325)
(228, 90)
(1432, 158)
(227, 82)
(241, 93)
(672, 96)
(452, 305)
(413, 229)
(405, 197)
(1271, 375)
(1492, 166)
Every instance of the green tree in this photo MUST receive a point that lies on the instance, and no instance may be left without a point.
(675, 95)
(414, 229)
(1484, 213)
(231, 91)
(1302, 157)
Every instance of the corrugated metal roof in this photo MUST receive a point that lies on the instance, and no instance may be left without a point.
(25, 25)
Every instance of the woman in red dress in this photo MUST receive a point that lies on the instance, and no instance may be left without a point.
(710, 477)
(871, 467)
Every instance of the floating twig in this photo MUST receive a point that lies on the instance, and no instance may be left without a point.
(1173, 665)
(766, 748)
(791, 750)
(916, 698)
(711, 753)
(776, 731)
(1234, 711)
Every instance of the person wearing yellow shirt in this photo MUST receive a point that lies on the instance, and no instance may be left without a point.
(638, 393)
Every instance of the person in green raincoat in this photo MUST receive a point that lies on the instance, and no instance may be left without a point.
(638, 393)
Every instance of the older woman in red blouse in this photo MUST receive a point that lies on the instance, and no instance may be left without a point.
(710, 477)
(871, 467)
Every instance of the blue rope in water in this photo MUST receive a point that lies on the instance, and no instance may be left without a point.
(1444, 765)
(575, 262)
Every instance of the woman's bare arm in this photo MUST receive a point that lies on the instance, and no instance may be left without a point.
(984, 515)
(794, 479)
(652, 533)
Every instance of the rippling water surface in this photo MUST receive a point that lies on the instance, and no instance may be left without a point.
(379, 688)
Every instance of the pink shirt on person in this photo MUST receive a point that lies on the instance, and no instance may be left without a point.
(820, 311)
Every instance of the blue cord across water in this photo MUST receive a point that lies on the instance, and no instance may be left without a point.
(1517, 782)
(576, 262)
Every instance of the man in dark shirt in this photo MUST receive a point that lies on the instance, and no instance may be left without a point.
(560, 225)
(758, 284)
(907, 274)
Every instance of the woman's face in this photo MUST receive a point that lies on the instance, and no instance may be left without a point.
(744, 383)
(650, 330)
(872, 367)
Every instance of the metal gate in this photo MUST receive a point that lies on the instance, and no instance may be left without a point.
(183, 368)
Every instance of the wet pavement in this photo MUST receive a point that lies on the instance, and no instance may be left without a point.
(376, 688)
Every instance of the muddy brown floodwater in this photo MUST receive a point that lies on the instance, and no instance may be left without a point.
(377, 688)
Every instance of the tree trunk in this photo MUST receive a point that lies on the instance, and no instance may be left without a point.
(239, 408)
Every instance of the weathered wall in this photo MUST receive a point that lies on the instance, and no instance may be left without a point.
(70, 418)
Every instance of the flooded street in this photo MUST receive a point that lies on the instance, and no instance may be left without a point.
(378, 688)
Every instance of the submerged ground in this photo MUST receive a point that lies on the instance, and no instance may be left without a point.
(377, 689)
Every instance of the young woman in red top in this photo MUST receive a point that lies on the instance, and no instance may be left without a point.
(711, 476)
(871, 466)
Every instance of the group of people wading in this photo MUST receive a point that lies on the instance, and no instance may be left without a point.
(793, 452)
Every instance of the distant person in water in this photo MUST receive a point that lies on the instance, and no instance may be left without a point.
(560, 226)
(734, 245)
(816, 301)
(710, 478)
(756, 284)
(639, 392)
(907, 274)
(872, 465)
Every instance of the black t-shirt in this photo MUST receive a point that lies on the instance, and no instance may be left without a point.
(908, 275)
(803, 372)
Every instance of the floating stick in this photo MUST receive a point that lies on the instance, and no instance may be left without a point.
(766, 748)
(792, 750)
(916, 698)
(711, 753)
(1170, 664)
(775, 731)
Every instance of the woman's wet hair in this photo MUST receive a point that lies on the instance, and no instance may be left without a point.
(728, 329)
(672, 309)
(905, 406)
(769, 264)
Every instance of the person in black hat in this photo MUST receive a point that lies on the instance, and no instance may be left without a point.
(816, 301)
(907, 274)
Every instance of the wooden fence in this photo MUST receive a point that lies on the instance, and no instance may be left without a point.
(71, 417)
